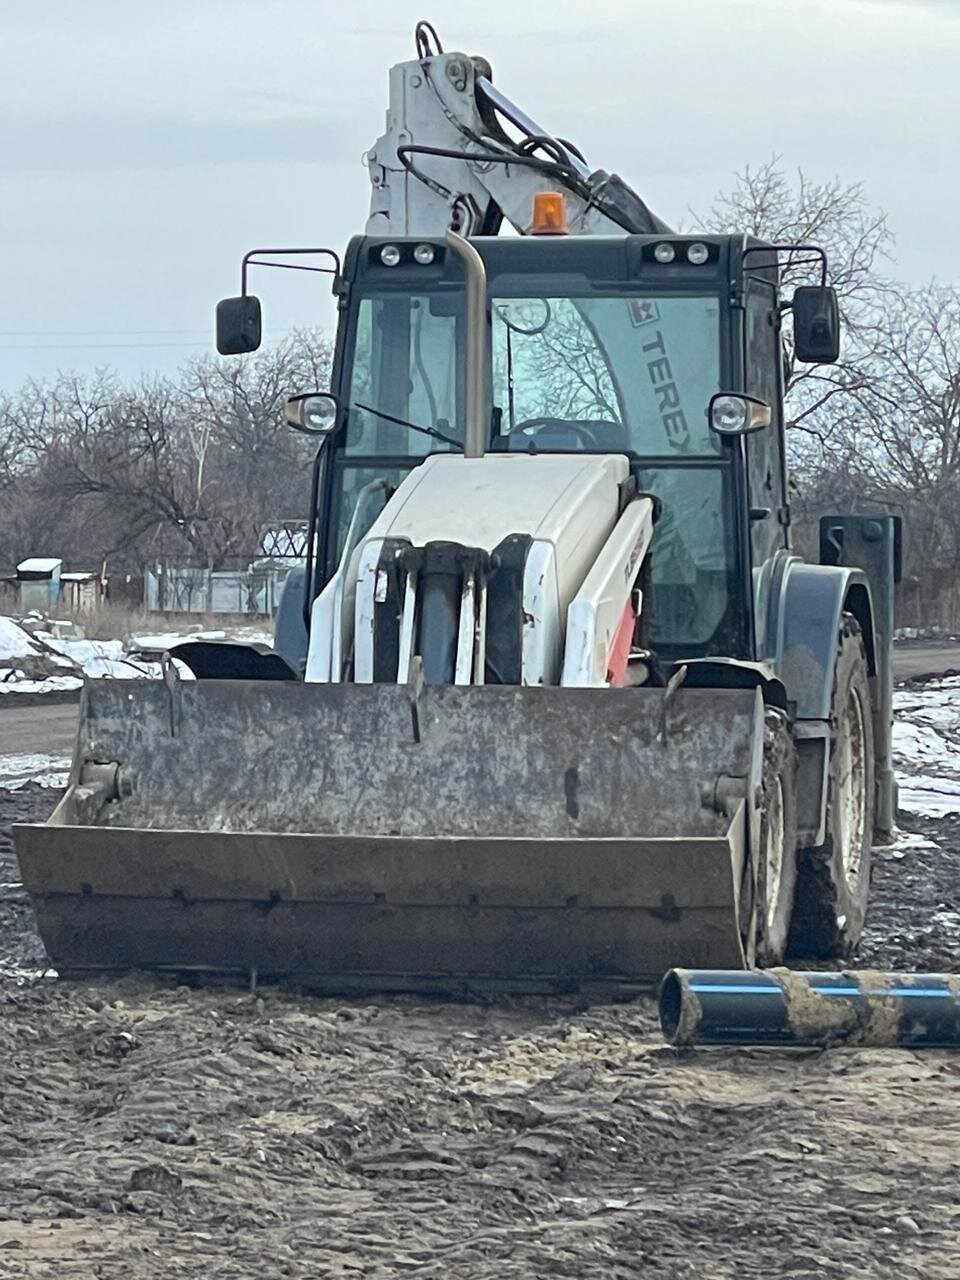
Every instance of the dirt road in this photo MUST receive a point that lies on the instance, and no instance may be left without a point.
(40, 729)
(912, 660)
(153, 1131)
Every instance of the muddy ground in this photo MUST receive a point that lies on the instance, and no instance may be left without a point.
(148, 1130)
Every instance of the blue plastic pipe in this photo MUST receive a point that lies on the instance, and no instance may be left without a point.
(779, 1006)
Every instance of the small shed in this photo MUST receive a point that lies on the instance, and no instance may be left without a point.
(80, 592)
(39, 582)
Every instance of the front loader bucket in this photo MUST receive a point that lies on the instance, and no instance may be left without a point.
(349, 836)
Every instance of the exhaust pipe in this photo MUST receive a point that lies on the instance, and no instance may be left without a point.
(866, 1008)
(476, 435)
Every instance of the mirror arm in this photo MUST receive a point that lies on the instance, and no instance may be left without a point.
(249, 260)
(815, 249)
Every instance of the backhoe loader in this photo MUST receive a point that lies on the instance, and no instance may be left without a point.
(552, 703)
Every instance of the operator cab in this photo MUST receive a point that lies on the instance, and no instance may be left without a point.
(664, 349)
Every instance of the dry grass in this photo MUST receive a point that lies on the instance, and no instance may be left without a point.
(114, 621)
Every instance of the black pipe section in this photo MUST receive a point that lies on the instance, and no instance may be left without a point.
(781, 1007)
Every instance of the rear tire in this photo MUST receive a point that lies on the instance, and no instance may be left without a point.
(833, 882)
(777, 870)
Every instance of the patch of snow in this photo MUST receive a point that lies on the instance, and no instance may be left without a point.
(926, 747)
(81, 651)
(39, 564)
(929, 797)
(52, 656)
(51, 684)
(102, 658)
(913, 840)
(14, 641)
(919, 743)
(120, 669)
(49, 771)
(252, 635)
(163, 640)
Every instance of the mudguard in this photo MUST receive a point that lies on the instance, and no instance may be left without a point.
(811, 601)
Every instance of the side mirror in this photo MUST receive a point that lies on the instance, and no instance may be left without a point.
(315, 413)
(238, 325)
(816, 324)
(732, 414)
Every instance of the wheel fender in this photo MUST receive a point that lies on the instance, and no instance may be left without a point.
(809, 605)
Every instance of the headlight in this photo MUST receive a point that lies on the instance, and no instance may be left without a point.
(313, 412)
(735, 415)
(698, 254)
(389, 255)
(728, 415)
(424, 254)
(664, 252)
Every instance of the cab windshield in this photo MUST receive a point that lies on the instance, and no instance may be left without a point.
(570, 371)
(623, 374)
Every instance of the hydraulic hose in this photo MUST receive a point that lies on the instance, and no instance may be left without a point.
(781, 1007)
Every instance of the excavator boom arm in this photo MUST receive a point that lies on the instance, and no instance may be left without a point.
(447, 161)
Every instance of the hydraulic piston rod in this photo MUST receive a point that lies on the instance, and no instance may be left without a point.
(778, 1006)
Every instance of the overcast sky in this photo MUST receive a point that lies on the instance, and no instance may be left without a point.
(145, 146)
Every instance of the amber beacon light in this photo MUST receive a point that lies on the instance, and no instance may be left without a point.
(549, 214)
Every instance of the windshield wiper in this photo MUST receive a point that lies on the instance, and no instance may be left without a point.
(413, 426)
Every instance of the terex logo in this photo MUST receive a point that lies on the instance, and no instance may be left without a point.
(668, 397)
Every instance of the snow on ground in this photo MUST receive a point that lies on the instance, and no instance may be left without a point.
(49, 771)
(156, 642)
(15, 642)
(926, 746)
(14, 681)
(160, 641)
(100, 658)
(38, 661)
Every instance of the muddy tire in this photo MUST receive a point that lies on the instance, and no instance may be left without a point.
(777, 870)
(833, 879)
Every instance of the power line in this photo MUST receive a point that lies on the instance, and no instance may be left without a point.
(110, 333)
(96, 346)
(90, 333)
(112, 346)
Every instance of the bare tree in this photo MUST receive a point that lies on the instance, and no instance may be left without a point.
(767, 203)
(191, 466)
(907, 421)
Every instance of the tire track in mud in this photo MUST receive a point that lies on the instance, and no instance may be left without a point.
(151, 1130)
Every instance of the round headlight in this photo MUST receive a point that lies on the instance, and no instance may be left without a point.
(320, 413)
(698, 254)
(389, 255)
(728, 414)
(315, 414)
(664, 252)
(424, 254)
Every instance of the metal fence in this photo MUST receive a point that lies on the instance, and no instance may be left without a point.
(172, 588)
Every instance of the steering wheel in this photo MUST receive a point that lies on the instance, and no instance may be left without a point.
(542, 428)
